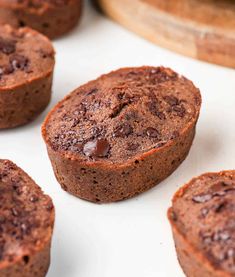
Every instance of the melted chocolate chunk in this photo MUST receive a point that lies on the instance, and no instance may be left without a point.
(219, 207)
(172, 100)
(6, 46)
(98, 148)
(152, 132)
(19, 62)
(34, 198)
(153, 106)
(180, 110)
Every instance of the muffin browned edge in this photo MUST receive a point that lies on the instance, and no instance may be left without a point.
(47, 242)
(179, 238)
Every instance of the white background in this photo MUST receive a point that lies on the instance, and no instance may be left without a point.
(130, 238)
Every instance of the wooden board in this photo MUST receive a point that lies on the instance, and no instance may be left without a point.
(202, 29)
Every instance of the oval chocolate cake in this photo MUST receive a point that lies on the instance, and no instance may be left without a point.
(202, 219)
(122, 133)
(26, 72)
(53, 18)
(26, 224)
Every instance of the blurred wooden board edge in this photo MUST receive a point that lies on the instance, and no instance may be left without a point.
(182, 34)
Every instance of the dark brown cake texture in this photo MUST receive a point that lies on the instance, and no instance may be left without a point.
(50, 17)
(122, 133)
(202, 217)
(26, 72)
(26, 224)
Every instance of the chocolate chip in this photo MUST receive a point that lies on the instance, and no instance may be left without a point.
(123, 130)
(180, 110)
(172, 100)
(120, 95)
(6, 46)
(153, 107)
(219, 207)
(33, 198)
(19, 62)
(152, 132)
(202, 198)
(160, 115)
(75, 122)
(96, 148)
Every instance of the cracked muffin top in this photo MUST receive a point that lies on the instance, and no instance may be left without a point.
(26, 214)
(123, 114)
(24, 55)
(210, 224)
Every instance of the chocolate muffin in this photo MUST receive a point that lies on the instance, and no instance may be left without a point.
(26, 224)
(205, 236)
(122, 133)
(50, 17)
(26, 71)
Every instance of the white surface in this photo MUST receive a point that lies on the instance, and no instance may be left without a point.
(130, 238)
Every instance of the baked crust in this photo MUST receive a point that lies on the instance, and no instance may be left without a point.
(26, 73)
(53, 18)
(26, 224)
(204, 238)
